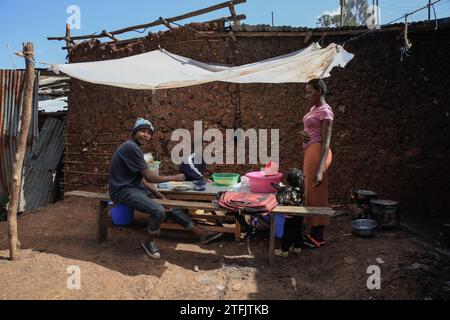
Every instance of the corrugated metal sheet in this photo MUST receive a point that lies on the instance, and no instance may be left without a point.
(268, 28)
(11, 104)
(40, 170)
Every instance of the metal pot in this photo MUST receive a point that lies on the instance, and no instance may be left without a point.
(361, 197)
(385, 212)
(364, 227)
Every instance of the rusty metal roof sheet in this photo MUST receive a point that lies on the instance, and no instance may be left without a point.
(11, 103)
(268, 28)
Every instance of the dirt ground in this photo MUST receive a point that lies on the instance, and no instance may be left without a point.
(63, 234)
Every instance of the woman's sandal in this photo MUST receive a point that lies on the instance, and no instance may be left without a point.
(311, 241)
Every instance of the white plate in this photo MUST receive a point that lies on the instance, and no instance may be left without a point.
(182, 187)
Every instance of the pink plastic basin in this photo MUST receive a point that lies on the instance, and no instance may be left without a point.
(260, 183)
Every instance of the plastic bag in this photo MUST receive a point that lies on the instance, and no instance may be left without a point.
(271, 168)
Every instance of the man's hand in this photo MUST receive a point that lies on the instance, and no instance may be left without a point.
(306, 137)
(160, 196)
(179, 177)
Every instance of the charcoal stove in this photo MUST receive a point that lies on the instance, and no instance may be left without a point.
(361, 198)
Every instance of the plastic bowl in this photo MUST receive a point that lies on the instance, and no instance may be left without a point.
(364, 227)
(181, 188)
(225, 179)
(261, 183)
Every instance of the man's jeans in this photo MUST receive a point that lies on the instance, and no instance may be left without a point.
(141, 200)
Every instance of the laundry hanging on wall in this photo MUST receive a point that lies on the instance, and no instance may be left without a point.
(161, 69)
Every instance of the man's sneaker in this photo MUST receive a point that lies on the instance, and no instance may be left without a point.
(295, 250)
(151, 248)
(209, 237)
(281, 253)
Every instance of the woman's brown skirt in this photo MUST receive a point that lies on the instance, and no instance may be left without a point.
(316, 197)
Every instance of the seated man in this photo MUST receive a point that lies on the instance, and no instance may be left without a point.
(127, 170)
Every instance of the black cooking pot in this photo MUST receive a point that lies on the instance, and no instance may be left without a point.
(385, 212)
(447, 235)
(360, 196)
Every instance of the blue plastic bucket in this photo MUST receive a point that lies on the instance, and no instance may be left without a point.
(121, 215)
(279, 226)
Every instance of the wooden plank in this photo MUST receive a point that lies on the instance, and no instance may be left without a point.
(171, 226)
(237, 231)
(291, 210)
(213, 218)
(288, 210)
(187, 196)
(272, 239)
(90, 195)
(235, 19)
(88, 173)
(102, 221)
(186, 204)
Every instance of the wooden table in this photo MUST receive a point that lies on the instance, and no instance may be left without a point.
(102, 218)
(209, 195)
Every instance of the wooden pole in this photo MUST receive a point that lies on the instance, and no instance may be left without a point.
(14, 244)
(159, 21)
(342, 13)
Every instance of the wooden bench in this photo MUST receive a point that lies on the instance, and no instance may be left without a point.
(102, 216)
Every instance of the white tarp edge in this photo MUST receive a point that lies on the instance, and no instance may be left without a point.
(161, 69)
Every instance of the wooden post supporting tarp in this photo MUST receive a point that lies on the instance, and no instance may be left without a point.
(14, 244)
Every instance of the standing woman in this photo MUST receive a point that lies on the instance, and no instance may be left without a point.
(317, 123)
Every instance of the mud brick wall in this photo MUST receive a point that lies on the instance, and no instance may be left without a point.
(391, 124)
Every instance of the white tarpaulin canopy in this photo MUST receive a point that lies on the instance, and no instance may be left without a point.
(161, 69)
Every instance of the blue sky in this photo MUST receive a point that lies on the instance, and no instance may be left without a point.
(35, 20)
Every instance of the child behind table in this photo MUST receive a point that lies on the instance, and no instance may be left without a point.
(292, 195)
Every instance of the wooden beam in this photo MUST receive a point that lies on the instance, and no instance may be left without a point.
(289, 210)
(171, 226)
(157, 22)
(231, 7)
(14, 243)
(67, 38)
(230, 18)
(166, 23)
(272, 239)
(109, 35)
(90, 195)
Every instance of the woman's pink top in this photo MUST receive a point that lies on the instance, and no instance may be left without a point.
(312, 123)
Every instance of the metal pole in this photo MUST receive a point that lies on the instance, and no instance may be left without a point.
(378, 13)
(272, 19)
(342, 13)
(429, 10)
